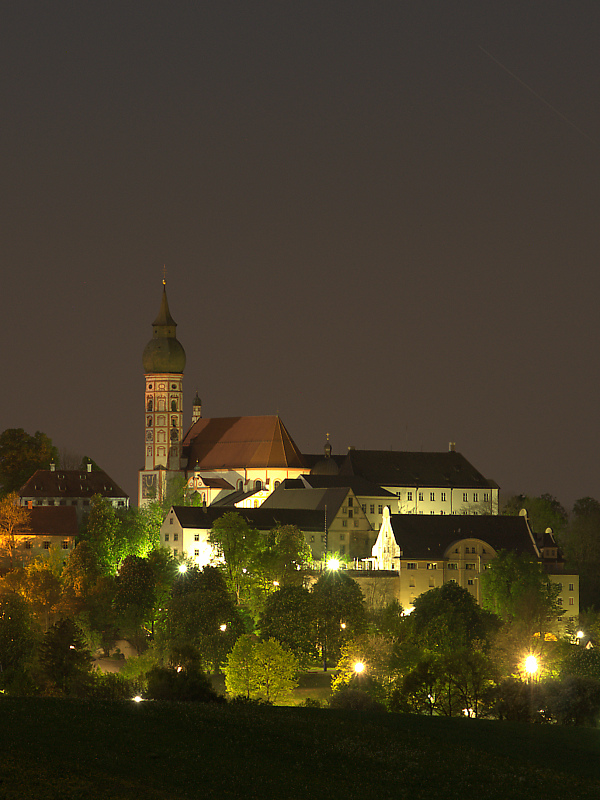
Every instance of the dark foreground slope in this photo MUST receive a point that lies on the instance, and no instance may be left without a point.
(51, 748)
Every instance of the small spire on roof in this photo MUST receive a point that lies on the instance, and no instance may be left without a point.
(164, 274)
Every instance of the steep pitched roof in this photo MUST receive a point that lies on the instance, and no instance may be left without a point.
(260, 518)
(429, 536)
(51, 521)
(238, 442)
(396, 468)
(316, 499)
(360, 486)
(70, 483)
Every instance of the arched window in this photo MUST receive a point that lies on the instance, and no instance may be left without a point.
(240, 485)
(276, 484)
(258, 484)
(173, 405)
(174, 434)
(149, 422)
(149, 404)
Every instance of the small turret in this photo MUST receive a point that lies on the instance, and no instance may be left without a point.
(196, 409)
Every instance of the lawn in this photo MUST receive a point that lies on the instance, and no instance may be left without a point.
(52, 748)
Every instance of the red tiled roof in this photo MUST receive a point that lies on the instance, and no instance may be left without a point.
(237, 442)
(51, 521)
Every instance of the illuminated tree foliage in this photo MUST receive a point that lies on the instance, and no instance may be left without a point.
(13, 517)
(16, 635)
(339, 610)
(238, 545)
(260, 670)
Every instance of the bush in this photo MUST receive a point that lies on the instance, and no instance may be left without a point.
(187, 684)
(355, 700)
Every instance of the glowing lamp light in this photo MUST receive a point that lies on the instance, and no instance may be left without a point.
(580, 635)
(333, 564)
(531, 665)
(359, 667)
(275, 583)
(343, 626)
(182, 568)
(137, 699)
(223, 627)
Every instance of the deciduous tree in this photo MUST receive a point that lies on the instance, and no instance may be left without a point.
(237, 544)
(262, 670)
(13, 517)
(289, 617)
(21, 455)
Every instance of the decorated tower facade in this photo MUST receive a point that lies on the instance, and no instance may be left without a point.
(164, 363)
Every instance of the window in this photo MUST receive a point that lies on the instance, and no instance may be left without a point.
(46, 545)
(196, 537)
(420, 495)
(65, 545)
(344, 523)
(380, 509)
(452, 566)
(409, 495)
(571, 587)
(469, 566)
(350, 501)
(431, 565)
(344, 509)
(175, 551)
(175, 537)
(196, 553)
(432, 512)
(571, 601)
(173, 405)
(50, 502)
(166, 537)
(350, 513)
(258, 484)
(432, 496)
(443, 497)
(170, 520)
(486, 497)
(364, 508)
(470, 582)
(342, 549)
(475, 497)
(342, 537)
(240, 486)
(276, 484)
(372, 508)
(560, 587)
(465, 497)
(411, 565)
(27, 545)
(312, 539)
(323, 539)
(431, 583)
(411, 583)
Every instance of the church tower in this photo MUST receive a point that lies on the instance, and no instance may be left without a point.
(164, 362)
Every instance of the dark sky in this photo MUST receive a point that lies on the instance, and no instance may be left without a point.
(379, 219)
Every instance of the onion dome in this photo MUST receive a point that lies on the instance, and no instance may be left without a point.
(164, 353)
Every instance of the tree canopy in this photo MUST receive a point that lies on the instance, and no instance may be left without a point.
(21, 455)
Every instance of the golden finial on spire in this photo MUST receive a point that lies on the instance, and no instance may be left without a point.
(164, 274)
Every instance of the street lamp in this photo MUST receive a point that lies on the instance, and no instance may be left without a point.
(531, 668)
(182, 568)
(359, 667)
(333, 564)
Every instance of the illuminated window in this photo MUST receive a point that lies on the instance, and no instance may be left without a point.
(409, 495)
(196, 537)
(46, 545)
(475, 497)
(465, 497)
(432, 496)
(443, 497)
(420, 495)
(431, 565)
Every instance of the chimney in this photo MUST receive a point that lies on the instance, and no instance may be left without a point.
(452, 446)
(52, 466)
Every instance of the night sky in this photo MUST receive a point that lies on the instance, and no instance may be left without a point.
(379, 220)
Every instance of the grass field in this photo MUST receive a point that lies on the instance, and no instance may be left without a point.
(52, 748)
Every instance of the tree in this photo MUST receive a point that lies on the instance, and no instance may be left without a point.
(201, 613)
(581, 544)
(64, 660)
(101, 530)
(16, 634)
(12, 518)
(135, 597)
(237, 544)
(516, 588)
(543, 512)
(288, 616)
(261, 670)
(339, 612)
(374, 653)
(41, 589)
(21, 455)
